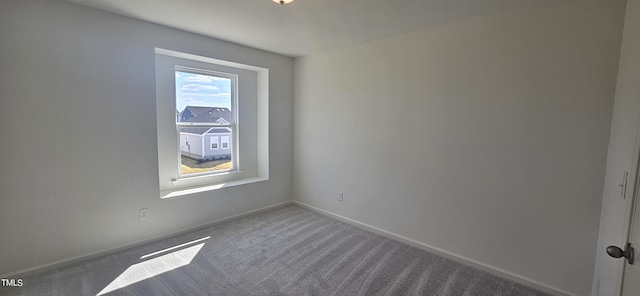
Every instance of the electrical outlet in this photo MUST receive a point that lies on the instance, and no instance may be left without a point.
(144, 214)
(340, 196)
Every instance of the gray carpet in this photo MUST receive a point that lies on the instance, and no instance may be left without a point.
(285, 251)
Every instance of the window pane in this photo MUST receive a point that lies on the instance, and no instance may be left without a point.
(224, 140)
(214, 142)
(204, 99)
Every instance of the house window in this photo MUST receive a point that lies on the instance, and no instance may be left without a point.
(214, 143)
(224, 140)
(202, 144)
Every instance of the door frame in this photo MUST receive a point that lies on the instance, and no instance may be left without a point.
(631, 210)
(631, 197)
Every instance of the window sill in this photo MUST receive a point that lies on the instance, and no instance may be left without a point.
(209, 187)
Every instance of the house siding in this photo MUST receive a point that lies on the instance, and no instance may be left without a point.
(195, 148)
(216, 153)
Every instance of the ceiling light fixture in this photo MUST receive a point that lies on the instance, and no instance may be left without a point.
(283, 2)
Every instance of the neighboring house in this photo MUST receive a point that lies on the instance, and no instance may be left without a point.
(205, 143)
(205, 114)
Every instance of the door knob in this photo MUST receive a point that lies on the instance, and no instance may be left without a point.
(616, 252)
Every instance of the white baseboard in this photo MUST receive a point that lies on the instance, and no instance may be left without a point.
(460, 259)
(78, 259)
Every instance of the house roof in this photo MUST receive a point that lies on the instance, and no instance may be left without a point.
(205, 129)
(219, 131)
(205, 114)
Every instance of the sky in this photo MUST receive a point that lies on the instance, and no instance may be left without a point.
(202, 90)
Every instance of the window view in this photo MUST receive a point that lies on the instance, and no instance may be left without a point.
(204, 121)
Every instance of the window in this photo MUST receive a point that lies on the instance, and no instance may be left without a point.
(202, 143)
(214, 143)
(206, 110)
(225, 142)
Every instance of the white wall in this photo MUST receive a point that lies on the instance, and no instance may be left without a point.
(78, 152)
(486, 138)
(623, 145)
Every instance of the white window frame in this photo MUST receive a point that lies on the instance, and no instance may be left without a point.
(250, 140)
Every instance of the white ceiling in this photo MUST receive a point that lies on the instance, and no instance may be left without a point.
(303, 26)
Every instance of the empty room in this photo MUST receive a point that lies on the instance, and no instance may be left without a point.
(319, 147)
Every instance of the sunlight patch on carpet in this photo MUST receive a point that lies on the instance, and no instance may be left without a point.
(157, 265)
